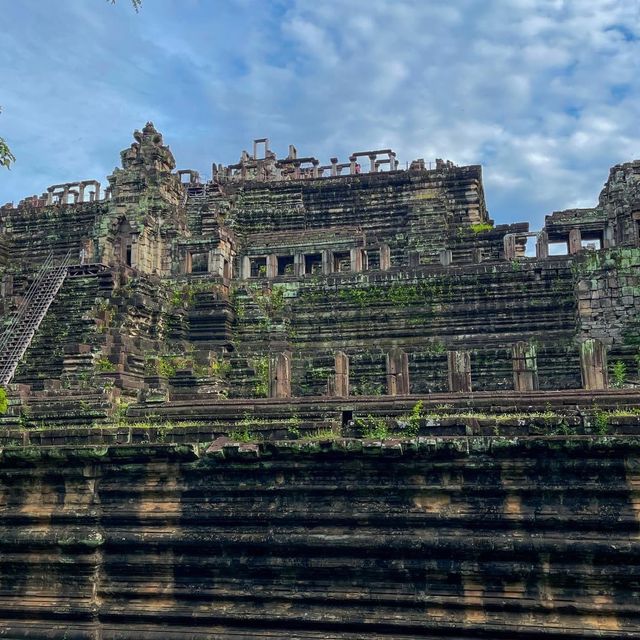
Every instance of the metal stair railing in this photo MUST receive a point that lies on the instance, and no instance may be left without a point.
(26, 321)
(24, 305)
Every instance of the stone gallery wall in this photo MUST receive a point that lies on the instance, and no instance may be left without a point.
(457, 536)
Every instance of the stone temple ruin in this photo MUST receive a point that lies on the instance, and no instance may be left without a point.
(317, 401)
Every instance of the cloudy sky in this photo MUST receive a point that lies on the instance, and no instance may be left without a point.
(544, 93)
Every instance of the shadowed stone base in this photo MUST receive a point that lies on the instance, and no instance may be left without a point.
(463, 537)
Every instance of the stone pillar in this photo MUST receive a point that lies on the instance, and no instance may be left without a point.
(593, 365)
(7, 286)
(385, 257)
(510, 247)
(334, 167)
(372, 159)
(608, 238)
(357, 259)
(352, 164)
(135, 258)
(459, 365)
(341, 377)
(525, 366)
(272, 266)
(445, 257)
(215, 263)
(298, 264)
(477, 255)
(575, 241)
(542, 245)
(65, 194)
(245, 267)
(280, 376)
(81, 187)
(397, 373)
(49, 196)
(327, 261)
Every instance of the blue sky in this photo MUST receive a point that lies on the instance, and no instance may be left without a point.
(545, 94)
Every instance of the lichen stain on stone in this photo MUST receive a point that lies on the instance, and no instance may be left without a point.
(432, 501)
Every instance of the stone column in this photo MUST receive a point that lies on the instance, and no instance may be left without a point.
(525, 366)
(341, 377)
(459, 365)
(575, 241)
(385, 257)
(327, 261)
(7, 286)
(81, 187)
(215, 263)
(272, 266)
(445, 257)
(298, 264)
(280, 376)
(245, 267)
(352, 164)
(477, 255)
(334, 167)
(357, 260)
(49, 196)
(608, 238)
(593, 365)
(397, 373)
(542, 245)
(510, 247)
(372, 159)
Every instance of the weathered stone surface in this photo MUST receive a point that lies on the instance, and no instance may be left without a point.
(249, 412)
(463, 536)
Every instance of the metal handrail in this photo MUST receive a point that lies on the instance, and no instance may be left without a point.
(38, 301)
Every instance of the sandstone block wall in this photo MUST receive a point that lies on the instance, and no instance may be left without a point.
(439, 537)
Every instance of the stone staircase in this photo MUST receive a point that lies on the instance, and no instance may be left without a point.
(27, 319)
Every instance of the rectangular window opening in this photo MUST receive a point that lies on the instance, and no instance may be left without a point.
(559, 248)
(530, 247)
(342, 262)
(199, 262)
(285, 265)
(373, 260)
(313, 263)
(258, 267)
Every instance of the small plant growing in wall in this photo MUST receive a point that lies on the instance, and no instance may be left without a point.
(261, 368)
(4, 403)
(104, 365)
(601, 422)
(411, 422)
(481, 227)
(618, 374)
(372, 428)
